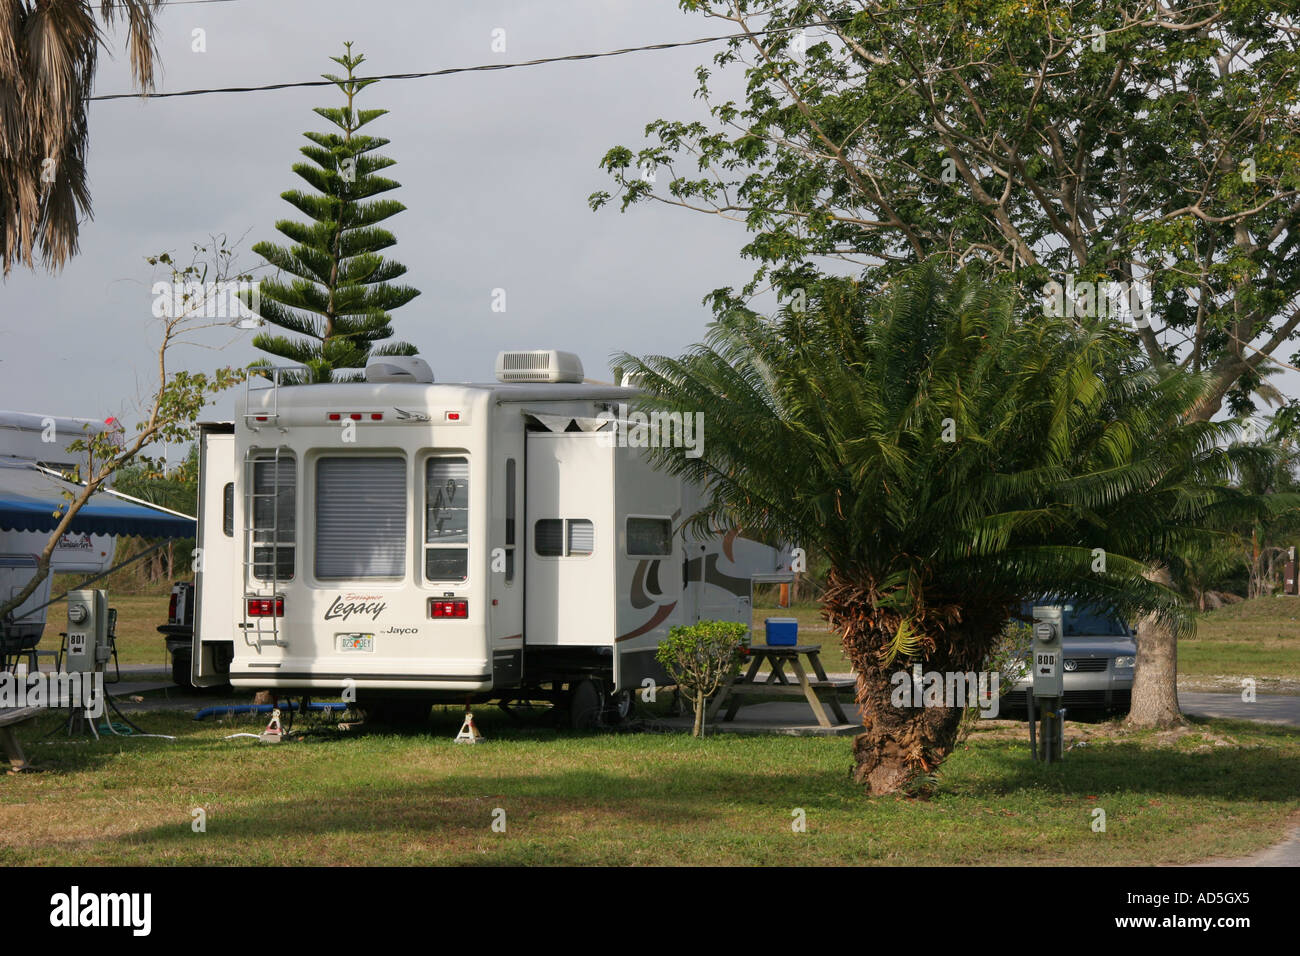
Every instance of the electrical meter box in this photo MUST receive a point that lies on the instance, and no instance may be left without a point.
(1046, 659)
(87, 631)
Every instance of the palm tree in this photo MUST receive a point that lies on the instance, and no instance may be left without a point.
(951, 457)
(48, 53)
(1264, 543)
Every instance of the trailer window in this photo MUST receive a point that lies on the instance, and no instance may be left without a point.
(274, 510)
(560, 538)
(360, 518)
(446, 520)
(228, 509)
(548, 538)
(649, 537)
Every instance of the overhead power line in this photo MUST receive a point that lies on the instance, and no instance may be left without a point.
(416, 76)
(302, 84)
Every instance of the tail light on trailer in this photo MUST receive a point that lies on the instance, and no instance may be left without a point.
(266, 607)
(439, 607)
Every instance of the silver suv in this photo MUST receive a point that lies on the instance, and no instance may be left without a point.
(1099, 651)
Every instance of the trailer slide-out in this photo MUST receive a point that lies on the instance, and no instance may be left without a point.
(425, 542)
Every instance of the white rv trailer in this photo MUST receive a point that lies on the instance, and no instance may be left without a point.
(44, 439)
(448, 541)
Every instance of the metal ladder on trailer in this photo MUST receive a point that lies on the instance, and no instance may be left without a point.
(273, 376)
(255, 584)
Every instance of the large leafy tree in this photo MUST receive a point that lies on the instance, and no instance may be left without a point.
(48, 54)
(342, 289)
(950, 458)
(1079, 141)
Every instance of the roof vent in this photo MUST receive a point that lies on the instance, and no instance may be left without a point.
(399, 368)
(539, 365)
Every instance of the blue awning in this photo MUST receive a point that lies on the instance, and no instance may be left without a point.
(31, 500)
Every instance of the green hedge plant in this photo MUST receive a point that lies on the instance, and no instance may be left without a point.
(700, 658)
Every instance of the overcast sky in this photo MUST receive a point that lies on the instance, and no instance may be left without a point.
(495, 168)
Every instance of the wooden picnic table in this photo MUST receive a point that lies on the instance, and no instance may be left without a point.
(778, 684)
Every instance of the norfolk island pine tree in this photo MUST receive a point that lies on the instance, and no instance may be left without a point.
(340, 290)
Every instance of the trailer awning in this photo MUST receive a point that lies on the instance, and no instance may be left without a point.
(567, 423)
(31, 500)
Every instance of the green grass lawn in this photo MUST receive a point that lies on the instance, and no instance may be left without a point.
(1259, 638)
(1217, 789)
(1221, 788)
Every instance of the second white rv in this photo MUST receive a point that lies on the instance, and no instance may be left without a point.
(428, 542)
(28, 439)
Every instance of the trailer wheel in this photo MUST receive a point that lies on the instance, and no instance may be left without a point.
(585, 705)
(620, 706)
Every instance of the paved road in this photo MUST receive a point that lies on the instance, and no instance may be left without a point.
(1286, 853)
(1266, 708)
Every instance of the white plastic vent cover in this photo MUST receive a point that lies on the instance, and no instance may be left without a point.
(399, 368)
(539, 365)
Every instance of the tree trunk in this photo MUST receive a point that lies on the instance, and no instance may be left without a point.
(700, 702)
(900, 744)
(1155, 682)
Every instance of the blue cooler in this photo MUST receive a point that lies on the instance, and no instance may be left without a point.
(782, 631)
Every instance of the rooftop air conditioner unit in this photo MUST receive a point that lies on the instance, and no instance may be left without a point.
(399, 368)
(539, 365)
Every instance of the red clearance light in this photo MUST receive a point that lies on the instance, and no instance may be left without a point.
(335, 416)
(453, 416)
(441, 608)
(355, 416)
(266, 607)
(376, 416)
(263, 418)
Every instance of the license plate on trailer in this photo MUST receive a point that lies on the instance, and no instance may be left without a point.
(356, 642)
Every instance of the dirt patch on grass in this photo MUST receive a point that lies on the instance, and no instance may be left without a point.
(1232, 683)
(1086, 734)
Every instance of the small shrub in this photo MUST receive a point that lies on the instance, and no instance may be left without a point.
(700, 658)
